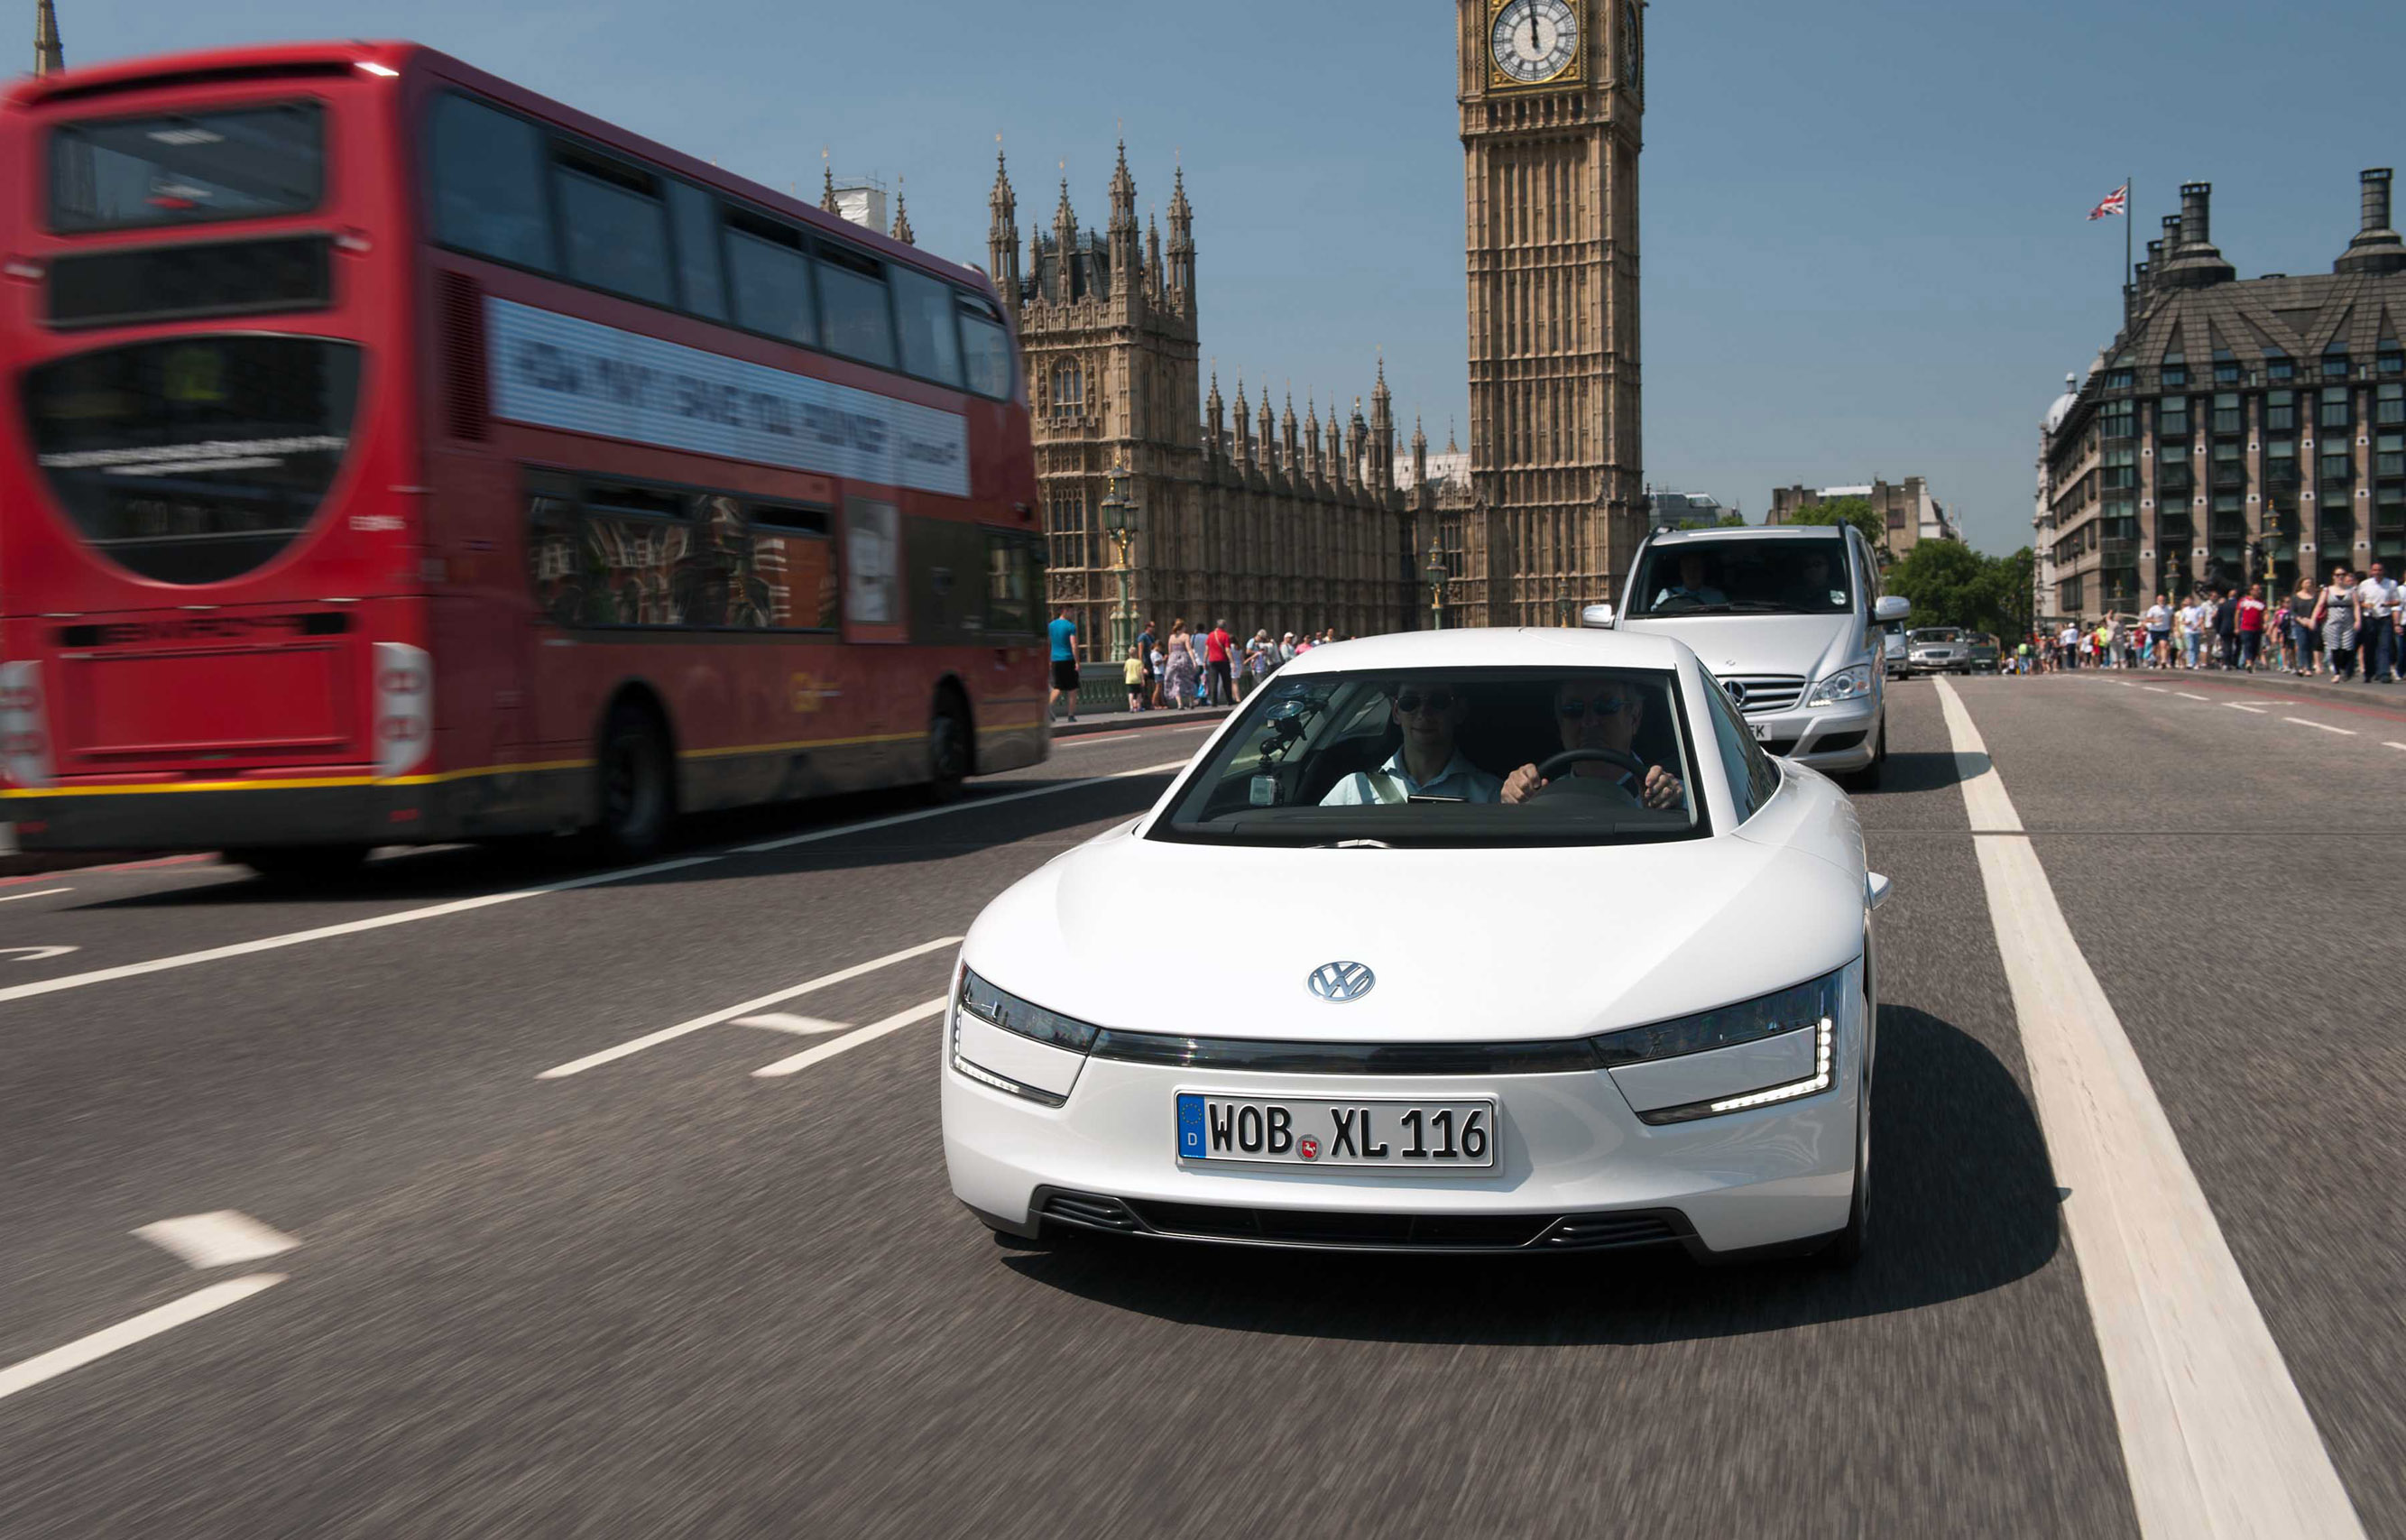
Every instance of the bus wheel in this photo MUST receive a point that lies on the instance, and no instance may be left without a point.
(948, 748)
(638, 797)
(296, 865)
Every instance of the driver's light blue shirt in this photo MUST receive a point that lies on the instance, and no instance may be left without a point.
(1390, 783)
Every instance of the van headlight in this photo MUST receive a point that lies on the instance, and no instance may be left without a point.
(1845, 684)
(1813, 1007)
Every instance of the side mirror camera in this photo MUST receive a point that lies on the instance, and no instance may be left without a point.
(1599, 615)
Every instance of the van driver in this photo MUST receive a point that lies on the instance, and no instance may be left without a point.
(1602, 716)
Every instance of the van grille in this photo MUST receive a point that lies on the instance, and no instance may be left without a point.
(1764, 692)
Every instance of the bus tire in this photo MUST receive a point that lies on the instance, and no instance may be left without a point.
(635, 783)
(951, 748)
(295, 865)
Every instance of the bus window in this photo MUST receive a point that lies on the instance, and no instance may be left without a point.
(128, 173)
(930, 348)
(488, 195)
(617, 229)
(696, 216)
(772, 278)
(636, 541)
(795, 562)
(987, 348)
(1011, 583)
(852, 306)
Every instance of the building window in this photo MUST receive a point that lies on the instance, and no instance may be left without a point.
(2280, 411)
(1069, 390)
(2335, 362)
(2229, 469)
(2172, 477)
(1065, 518)
(2118, 420)
(2279, 365)
(2225, 367)
(2339, 470)
(2120, 379)
(2389, 409)
(2227, 417)
(2392, 360)
(2281, 462)
(2335, 412)
(2175, 372)
(2172, 417)
(2389, 454)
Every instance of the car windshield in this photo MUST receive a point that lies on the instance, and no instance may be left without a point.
(1447, 758)
(1938, 635)
(1744, 577)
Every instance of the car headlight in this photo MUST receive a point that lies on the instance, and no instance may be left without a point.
(1845, 684)
(1012, 1015)
(1812, 1007)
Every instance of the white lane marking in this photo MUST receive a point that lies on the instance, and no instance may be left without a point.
(125, 1334)
(37, 893)
(2155, 689)
(825, 1051)
(1091, 741)
(218, 1239)
(2124, 683)
(608, 1055)
(36, 953)
(2388, 744)
(2318, 727)
(2215, 1437)
(2237, 706)
(800, 1027)
(2186, 696)
(1055, 790)
(348, 928)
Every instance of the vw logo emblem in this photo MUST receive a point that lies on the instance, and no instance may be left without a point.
(1338, 982)
(1734, 691)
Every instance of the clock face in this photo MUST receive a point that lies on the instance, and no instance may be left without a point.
(1536, 40)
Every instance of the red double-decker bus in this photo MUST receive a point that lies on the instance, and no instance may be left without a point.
(392, 455)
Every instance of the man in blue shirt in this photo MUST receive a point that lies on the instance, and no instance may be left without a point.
(1064, 633)
(1427, 764)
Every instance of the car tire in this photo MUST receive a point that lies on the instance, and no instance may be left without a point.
(634, 784)
(299, 866)
(1868, 778)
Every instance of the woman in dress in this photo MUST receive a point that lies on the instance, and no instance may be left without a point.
(2337, 617)
(1180, 671)
(2303, 639)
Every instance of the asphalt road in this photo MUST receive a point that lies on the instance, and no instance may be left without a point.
(663, 1295)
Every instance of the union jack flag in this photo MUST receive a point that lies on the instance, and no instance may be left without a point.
(2117, 202)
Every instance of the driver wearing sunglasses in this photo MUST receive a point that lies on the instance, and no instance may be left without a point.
(1598, 719)
(1428, 764)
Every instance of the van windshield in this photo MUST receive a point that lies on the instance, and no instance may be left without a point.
(1744, 577)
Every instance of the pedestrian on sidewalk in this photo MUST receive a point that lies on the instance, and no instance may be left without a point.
(2376, 603)
(1133, 672)
(2251, 627)
(1216, 653)
(2226, 630)
(2159, 632)
(1148, 652)
(1063, 633)
(2336, 617)
(2303, 639)
(1180, 671)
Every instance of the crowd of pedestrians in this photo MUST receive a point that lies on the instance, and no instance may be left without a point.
(1187, 669)
(2341, 629)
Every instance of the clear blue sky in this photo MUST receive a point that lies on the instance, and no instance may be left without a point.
(1863, 244)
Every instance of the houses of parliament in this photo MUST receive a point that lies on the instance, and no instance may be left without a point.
(1268, 521)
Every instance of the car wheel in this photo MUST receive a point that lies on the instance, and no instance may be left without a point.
(1868, 778)
(299, 864)
(636, 784)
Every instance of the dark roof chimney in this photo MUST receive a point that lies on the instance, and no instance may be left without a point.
(2194, 262)
(2376, 248)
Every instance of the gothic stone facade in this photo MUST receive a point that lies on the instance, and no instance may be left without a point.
(1552, 99)
(2234, 425)
(1263, 524)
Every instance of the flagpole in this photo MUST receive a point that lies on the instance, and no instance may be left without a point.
(2129, 273)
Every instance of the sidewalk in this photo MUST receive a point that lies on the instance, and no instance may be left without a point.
(1120, 719)
(2269, 683)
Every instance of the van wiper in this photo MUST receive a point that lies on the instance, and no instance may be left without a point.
(1356, 844)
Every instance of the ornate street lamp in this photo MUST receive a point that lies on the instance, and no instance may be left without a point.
(1435, 573)
(1561, 600)
(1122, 519)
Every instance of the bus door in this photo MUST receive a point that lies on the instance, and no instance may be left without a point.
(873, 612)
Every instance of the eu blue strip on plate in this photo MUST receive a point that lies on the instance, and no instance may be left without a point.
(1190, 1127)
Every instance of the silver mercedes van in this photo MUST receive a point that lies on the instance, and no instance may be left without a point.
(1790, 618)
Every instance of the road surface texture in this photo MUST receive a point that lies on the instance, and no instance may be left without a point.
(659, 1294)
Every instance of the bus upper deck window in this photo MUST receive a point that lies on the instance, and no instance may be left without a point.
(488, 196)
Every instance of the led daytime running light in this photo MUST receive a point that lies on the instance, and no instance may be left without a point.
(1821, 1081)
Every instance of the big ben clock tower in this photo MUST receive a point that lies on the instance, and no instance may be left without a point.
(1552, 97)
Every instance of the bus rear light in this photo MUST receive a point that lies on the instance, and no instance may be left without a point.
(17, 267)
(353, 242)
(24, 742)
(405, 708)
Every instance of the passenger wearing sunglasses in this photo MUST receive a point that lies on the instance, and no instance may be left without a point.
(1427, 764)
(1602, 716)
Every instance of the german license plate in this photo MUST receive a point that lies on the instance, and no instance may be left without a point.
(1454, 1135)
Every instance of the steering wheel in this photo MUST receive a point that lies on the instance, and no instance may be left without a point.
(1552, 769)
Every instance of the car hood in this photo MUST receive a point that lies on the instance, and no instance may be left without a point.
(1810, 646)
(1513, 945)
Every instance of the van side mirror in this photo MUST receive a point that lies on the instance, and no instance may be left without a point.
(1598, 616)
(1891, 607)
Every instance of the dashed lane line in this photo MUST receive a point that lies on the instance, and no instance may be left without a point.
(2217, 1440)
(2252, 710)
(850, 1040)
(2155, 689)
(669, 1034)
(125, 1334)
(1055, 790)
(39, 893)
(218, 1239)
(2388, 744)
(2321, 726)
(2186, 696)
(1094, 740)
(348, 928)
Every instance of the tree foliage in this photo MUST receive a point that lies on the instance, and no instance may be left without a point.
(1857, 511)
(1732, 521)
(1952, 584)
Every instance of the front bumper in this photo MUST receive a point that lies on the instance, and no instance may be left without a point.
(1833, 739)
(1940, 663)
(1575, 1169)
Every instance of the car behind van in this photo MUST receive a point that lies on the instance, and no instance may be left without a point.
(1791, 620)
